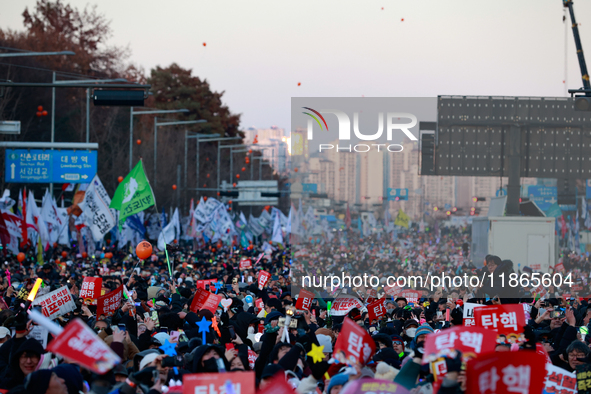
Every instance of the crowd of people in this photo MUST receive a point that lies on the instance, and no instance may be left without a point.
(158, 334)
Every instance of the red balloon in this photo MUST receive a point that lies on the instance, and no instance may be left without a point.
(207, 176)
(205, 198)
(237, 175)
(250, 151)
(243, 169)
(218, 194)
(143, 250)
(204, 44)
(84, 255)
(295, 169)
(44, 113)
(173, 187)
(20, 257)
(230, 202)
(234, 184)
(40, 108)
(402, 20)
(299, 84)
(109, 255)
(120, 179)
(64, 254)
(139, 142)
(39, 113)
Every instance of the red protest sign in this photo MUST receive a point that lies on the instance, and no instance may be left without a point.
(411, 295)
(376, 309)
(504, 319)
(205, 283)
(259, 304)
(471, 341)
(506, 373)
(343, 304)
(206, 383)
(245, 264)
(57, 303)
(277, 385)
(392, 290)
(107, 305)
(79, 343)
(203, 299)
(91, 288)
(559, 267)
(354, 345)
(252, 358)
(304, 300)
(263, 279)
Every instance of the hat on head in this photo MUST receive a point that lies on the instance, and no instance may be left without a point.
(38, 381)
(338, 380)
(411, 322)
(271, 370)
(4, 332)
(424, 329)
(147, 360)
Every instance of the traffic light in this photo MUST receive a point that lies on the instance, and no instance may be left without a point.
(478, 199)
(122, 98)
(435, 209)
(227, 194)
(448, 213)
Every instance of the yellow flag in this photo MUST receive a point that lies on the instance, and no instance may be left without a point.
(401, 219)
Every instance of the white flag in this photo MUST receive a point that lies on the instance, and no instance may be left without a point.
(277, 235)
(171, 232)
(99, 218)
(35, 220)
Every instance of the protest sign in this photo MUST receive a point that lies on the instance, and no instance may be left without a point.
(263, 279)
(277, 385)
(469, 313)
(252, 358)
(245, 264)
(205, 283)
(584, 379)
(354, 345)
(559, 380)
(376, 309)
(412, 296)
(57, 303)
(90, 288)
(209, 383)
(107, 305)
(343, 304)
(471, 341)
(79, 343)
(260, 305)
(392, 290)
(504, 319)
(373, 386)
(506, 372)
(39, 333)
(203, 299)
(304, 301)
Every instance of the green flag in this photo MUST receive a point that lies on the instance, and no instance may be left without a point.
(133, 195)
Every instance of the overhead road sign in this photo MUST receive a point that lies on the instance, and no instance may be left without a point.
(397, 194)
(50, 166)
(543, 196)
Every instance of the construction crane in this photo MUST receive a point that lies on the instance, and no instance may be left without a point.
(582, 102)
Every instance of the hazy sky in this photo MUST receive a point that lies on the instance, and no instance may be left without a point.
(257, 51)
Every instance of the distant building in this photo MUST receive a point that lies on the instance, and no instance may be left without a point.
(274, 142)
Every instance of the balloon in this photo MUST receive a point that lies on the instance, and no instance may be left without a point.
(237, 175)
(205, 185)
(40, 108)
(295, 169)
(402, 20)
(44, 113)
(120, 179)
(139, 142)
(173, 187)
(102, 255)
(234, 184)
(207, 176)
(204, 198)
(84, 255)
(250, 151)
(204, 44)
(64, 254)
(248, 299)
(109, 255)
(218, 194)
(243, 169)
(230, 202)
(20, 257)
(39, 113)
(143, 250)
(299, 84)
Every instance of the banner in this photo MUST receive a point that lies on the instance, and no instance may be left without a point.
(392, 290)
(57, 303)
(584, 379)
(559, 380)
(504, 319)
(91, 288)
(304, 301)
(263, 279)
(107, 305)
(376, 309)
(205, 283)
(245, 264)
(206, 383)
(99, 217)
(471, 341)
(80, 344)
(354, 344)
(343, 304)
(506, 372)
(469, 313)
(373, 386)
(203, 299)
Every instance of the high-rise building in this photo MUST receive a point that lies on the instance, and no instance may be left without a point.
(274, 143)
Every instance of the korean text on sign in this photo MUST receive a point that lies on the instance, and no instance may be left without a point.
(57, 303)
